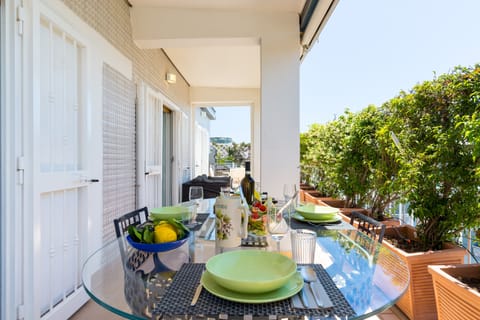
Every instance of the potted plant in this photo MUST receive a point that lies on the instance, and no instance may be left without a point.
(317, 159)
(457, 290)
(457, 287)
(438, 170)
(353, 161)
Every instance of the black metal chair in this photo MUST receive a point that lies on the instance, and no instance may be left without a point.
(134, 275)
(134, 218)
(373, 228)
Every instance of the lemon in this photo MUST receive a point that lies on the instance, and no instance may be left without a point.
(167, 224)
(164, 233)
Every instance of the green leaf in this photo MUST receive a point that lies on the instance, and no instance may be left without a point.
(148, 234)
(179, 227)
(134, 233)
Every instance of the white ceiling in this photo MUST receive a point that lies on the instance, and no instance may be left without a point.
(226, 66)
(232, 66)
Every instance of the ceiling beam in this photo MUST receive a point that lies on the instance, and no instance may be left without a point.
(154, 27)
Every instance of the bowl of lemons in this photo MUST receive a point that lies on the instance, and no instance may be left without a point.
(158, 235)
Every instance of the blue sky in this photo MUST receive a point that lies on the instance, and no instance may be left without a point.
(372, 49)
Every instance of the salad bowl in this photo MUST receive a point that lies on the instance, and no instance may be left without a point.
(251, 271)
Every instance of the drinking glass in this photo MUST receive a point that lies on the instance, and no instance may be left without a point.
(276, 225)
(303, 245)
(195, 193)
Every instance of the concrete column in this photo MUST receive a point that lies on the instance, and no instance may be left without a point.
(279, 118)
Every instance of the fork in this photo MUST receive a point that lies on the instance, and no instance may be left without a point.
(198, 290)
(196, 295)
(297, 302)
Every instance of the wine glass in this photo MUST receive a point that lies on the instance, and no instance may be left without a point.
(276, 225)
(289, 190)
(195, 193)
(235, 184)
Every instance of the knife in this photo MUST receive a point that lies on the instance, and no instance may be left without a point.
(196, 295)
(322, 298)
(307, 298)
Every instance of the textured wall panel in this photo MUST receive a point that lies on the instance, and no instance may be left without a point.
(119, 162)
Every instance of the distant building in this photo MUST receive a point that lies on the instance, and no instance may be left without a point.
(220, 145)
(221, 140)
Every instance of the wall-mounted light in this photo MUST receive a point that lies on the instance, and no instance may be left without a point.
(171, 77)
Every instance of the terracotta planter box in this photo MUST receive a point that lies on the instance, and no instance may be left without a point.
(348, 211)
(306, 187)
(419, 300)
(314, 193)
(308, 197)
(455, 300)
(317, 198)
(391, 222)
(332, 202)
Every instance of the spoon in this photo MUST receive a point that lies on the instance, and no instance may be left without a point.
(308, 274)
(306, 293)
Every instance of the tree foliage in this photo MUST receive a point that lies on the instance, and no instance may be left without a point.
(236, 153)
(353, 157)
(434, 167)
(439, 162)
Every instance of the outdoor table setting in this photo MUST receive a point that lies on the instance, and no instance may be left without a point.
(337, 276)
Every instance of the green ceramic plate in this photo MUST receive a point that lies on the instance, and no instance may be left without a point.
(293, 285)
(316, 212)
(251, 271)
(176, 212)
(299, 217)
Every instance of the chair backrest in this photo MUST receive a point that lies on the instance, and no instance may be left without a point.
(132, 260)
(132, 218)
(373, 228)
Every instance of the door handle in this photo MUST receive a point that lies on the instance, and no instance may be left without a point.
(92, 180)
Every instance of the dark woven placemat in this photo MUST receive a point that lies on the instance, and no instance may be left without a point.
(178, 297)
(295, 224)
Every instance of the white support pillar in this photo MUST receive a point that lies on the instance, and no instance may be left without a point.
(280, 119)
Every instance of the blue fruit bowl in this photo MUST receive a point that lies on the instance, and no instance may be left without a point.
(157, 247)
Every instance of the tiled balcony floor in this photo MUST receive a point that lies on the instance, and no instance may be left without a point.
(91, 310)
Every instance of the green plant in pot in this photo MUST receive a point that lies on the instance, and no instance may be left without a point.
(317, 158)
(438, 165)
(367, 171)
(437, 161)
(353, 158)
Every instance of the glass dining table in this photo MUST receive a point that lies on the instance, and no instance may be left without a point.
(361, 277)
